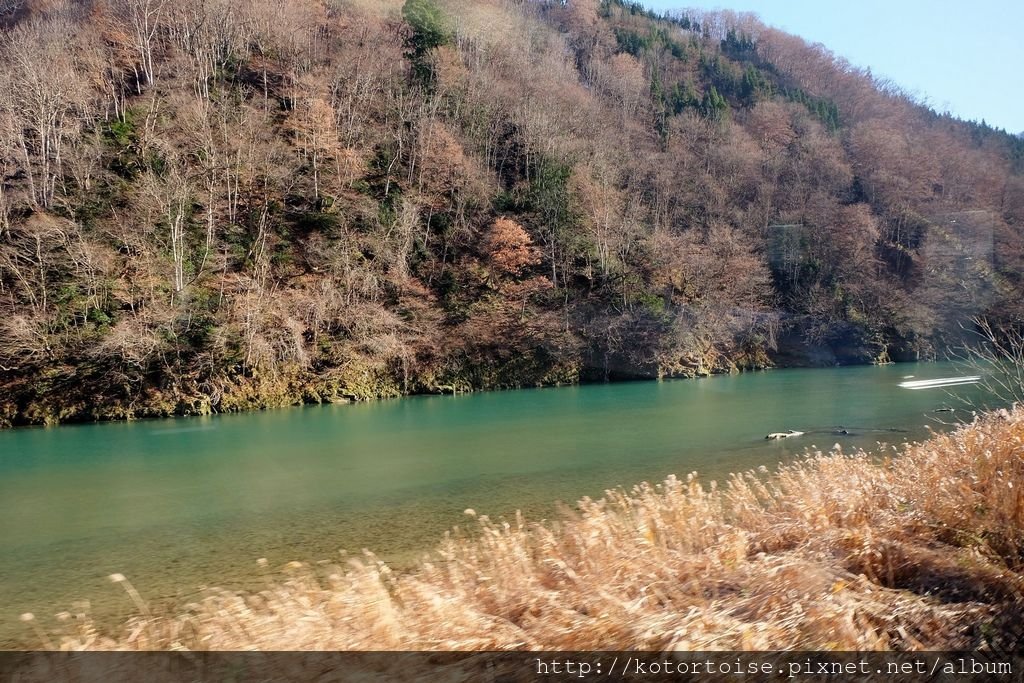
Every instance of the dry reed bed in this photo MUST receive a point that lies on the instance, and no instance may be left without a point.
(836, 551)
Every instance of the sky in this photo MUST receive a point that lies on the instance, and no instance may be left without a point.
(966, 58)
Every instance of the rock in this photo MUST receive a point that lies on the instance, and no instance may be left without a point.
(784, 435)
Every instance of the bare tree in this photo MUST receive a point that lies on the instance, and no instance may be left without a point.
(8, 163)
(10, 8)
(44, 101)
(994, 354)
(313, 121)
(143, 16)
(170, 195)
(209, 33)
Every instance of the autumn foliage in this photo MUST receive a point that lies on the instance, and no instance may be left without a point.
(210, 206)
(510, 249)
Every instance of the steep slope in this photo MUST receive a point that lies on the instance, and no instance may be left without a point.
(211, 205)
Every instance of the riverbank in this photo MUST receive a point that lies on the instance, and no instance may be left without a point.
(73, 395)
(837, 551)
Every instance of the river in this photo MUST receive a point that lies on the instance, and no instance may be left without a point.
(179, 504)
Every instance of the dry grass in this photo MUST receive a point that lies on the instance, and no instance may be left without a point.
(837, 551)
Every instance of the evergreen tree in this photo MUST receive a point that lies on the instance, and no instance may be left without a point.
(714, 106)
(427, 32)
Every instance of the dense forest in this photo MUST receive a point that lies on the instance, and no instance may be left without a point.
(215, 205)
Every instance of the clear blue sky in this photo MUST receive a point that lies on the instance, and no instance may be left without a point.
(963, 57)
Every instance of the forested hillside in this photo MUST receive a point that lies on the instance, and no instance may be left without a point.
(213, 205)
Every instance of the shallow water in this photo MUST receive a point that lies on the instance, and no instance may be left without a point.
(178, 504)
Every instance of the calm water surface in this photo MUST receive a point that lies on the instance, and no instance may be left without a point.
(179, 504)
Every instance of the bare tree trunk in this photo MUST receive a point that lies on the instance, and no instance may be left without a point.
(144, 18)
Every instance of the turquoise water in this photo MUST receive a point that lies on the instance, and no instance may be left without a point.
(179, 504)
